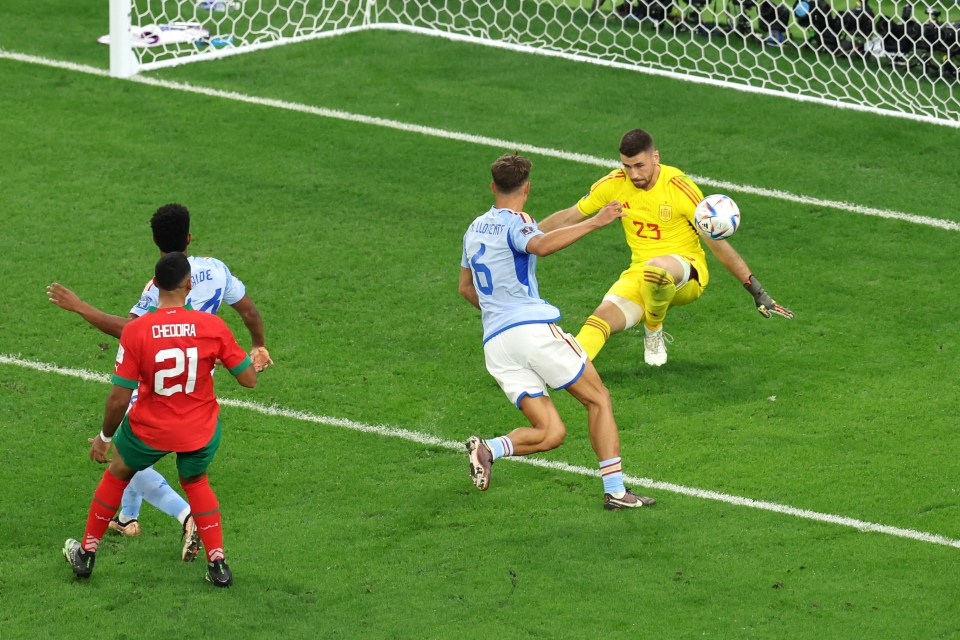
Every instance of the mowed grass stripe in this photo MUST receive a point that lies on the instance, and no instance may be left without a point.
(423, 438)
(496, 143)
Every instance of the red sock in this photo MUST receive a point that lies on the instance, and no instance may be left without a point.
(206, 513)
(105, 503)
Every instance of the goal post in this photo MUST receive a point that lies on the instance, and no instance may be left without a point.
(884, 56)
(123, 62)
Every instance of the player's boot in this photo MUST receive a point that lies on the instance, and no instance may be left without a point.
(655, 347)
(219, 573)
(129, 528)
(191, 540)
(629, 500)
(80, 561)
(481, 460)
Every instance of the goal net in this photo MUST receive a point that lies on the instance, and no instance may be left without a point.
(886, 56)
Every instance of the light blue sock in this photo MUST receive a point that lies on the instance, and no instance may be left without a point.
(501, 447)
(157, 492)
(130, 503)
(612, 474)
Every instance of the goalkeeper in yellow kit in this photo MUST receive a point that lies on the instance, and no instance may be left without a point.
(668, 267)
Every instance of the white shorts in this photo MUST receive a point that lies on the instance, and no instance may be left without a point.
(526, 358)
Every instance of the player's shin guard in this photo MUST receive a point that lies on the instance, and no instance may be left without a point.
(206, 513)
(106, 501)
(593, 335)
(657, 292)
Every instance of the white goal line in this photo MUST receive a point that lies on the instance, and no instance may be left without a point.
(427, 439)
(605, 163)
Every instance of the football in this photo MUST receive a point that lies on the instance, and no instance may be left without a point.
(717, 217)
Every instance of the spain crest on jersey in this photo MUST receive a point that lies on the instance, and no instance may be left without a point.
(666, 212)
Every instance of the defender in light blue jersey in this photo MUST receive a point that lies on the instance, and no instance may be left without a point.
(494, 248)
(212, 285)
(524, 350)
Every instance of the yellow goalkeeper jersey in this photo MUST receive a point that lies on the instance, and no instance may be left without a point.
(657, 222)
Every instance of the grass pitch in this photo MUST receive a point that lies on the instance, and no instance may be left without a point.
(348, 238)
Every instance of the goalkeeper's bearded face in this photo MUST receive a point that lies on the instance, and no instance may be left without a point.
(642, 169)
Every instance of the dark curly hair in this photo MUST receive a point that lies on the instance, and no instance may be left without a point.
(171, 226)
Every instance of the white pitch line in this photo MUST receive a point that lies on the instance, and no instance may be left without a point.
(427, 439)
(497, 143)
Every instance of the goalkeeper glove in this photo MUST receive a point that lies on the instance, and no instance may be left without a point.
(765, 304)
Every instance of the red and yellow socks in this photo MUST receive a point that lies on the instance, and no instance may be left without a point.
(593, 335)
(657, 292)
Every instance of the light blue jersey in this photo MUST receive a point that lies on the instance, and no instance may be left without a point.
(504, 274)
(212, 284)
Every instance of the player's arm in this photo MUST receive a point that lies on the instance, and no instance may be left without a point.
(247, 377)
(737, 266)
(560, 219)
(467, 290)
(125, 379)
(117, 402)
(70, 301)
(233, 357)
(602, 192)
(557, 239)
(254, 322)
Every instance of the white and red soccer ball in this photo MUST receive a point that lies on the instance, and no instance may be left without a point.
(717, 217)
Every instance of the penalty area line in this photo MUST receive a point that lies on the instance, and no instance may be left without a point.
(604, 163)
(427, 439)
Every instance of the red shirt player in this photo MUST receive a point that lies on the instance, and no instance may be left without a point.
(170, 354)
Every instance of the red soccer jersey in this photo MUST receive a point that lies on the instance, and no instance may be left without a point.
(170, 354)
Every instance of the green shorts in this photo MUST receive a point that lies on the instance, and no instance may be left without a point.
(138, 455)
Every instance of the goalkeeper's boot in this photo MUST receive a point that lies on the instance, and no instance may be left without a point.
(219, 573)
(655, 346)
(80, 561)
(629, 500)
(191, 540)
(481, 460)
(130, 528)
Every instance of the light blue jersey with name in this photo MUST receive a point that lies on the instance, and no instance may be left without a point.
(212, 284)
(504, 274)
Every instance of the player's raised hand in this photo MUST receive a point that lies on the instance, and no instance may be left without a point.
(766, 305)
(609, 213)
(260, 358)
(63, 297)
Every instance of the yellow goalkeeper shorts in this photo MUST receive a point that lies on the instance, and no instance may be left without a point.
(628, 286)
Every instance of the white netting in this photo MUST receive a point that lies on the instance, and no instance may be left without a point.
(198, 29)
(884, 55)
